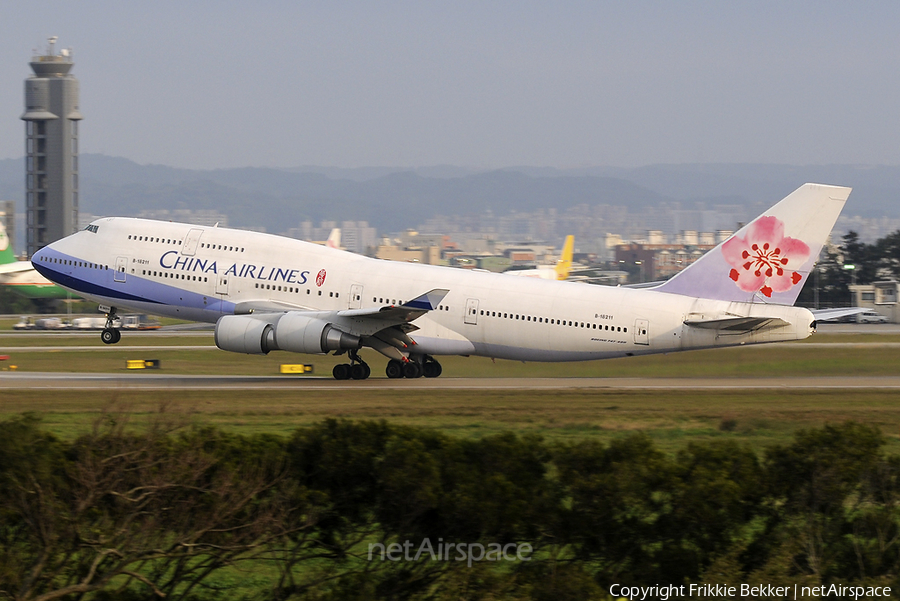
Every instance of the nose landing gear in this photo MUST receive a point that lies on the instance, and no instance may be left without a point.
(110, 335)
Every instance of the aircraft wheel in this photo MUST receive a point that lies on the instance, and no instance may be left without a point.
(359, 371)
(394, 369)
(110, 336)
(432, 369)
(341, 371)
(412, 370)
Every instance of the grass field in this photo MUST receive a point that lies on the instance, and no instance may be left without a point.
(672, 418)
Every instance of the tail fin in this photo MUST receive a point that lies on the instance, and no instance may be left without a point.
(334, 238)
(769, 259)
(564, 264)
(6, 251)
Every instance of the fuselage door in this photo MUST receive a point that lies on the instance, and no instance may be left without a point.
(121, 266)
(222, 285)
(641, 331)
(189, 248)
(472, 311)
(356, 292)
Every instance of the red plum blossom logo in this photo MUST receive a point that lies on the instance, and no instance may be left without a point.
(765, 260)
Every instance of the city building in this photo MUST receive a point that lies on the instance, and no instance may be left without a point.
(51, 149)
(356, 236)
(879, 296)
(652, 262)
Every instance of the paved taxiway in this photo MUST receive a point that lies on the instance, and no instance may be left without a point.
(144, 381)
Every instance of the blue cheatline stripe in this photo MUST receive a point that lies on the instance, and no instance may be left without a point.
(85, 286)
(147, 291)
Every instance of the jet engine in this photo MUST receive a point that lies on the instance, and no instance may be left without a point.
(304, 334)
(291, 331)
(242, 334)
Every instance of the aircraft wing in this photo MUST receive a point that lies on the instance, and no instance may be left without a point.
(267, 306)
(361, 322)
(737, 325)
(17, 267)
(371, 321)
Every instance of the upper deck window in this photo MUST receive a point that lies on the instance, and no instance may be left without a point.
(92, 228)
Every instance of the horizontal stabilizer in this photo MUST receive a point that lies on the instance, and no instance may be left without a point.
(826, 314)
(737, 324)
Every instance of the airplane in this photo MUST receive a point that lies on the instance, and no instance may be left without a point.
(267, 293)
(334, 238)
(560, 271)
(333, 241)
(21, 277)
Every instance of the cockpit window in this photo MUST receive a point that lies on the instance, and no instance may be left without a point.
(92, 228)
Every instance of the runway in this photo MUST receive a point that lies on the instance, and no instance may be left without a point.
(147, 381)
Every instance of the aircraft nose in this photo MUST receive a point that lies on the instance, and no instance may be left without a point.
(39, 255)
(42, 261)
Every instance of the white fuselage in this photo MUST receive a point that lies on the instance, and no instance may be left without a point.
(202, 273)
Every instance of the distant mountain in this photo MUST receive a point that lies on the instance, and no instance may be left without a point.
(393, 199)
(876, 189)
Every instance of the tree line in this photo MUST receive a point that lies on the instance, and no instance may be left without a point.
(831, 280)
(167, 512)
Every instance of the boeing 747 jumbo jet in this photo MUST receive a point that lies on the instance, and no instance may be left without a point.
(268, 293)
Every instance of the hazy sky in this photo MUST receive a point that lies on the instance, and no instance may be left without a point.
(479, 84)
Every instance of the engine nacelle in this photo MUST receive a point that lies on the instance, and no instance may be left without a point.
(303, 334)
(291, 331)
(244, 334)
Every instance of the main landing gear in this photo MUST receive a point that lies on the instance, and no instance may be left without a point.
(415, 367)
(425, 366)
(357, 369)
(110, 335)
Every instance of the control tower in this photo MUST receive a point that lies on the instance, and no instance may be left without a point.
(51, 148)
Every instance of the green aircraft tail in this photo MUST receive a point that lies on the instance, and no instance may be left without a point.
(6, 251)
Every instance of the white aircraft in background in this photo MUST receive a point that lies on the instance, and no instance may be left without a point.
(560, 271)
(267, 293)
(334, 239)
